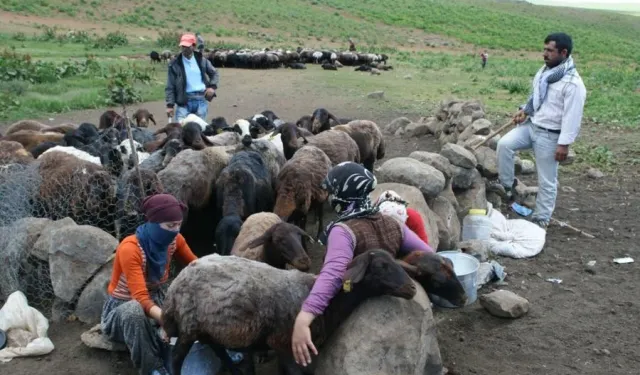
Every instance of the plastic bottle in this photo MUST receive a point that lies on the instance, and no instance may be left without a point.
(476, 225)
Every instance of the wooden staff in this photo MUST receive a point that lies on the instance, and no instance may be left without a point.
(493, 134)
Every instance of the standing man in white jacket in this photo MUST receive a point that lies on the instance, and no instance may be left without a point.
(548, 123)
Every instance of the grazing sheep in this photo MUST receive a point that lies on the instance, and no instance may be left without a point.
(289, 134)
(363, 68)
(298, 188)
(265, 238)
(329, 66)
(296, 65)
(244, 187)
(31, 138)
(108, 119)
(12, 152)
(26, 125)
(142, 118)
(338, 146)
(81, 190)
(436, 275)
(82, 155)
(155, 57)
(369, 138)
(165, 55)
(320, 120)
(236, 303)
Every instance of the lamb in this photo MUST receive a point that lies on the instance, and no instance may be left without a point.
(298, 189)
(369, 138)
(265, 238)
(256, 304)
(244, 187)
(12, 152)
(338, 146)
(26, 125)
(82, 155)
(320, 120)
(436, 275)
(142, 117)
(31, 138)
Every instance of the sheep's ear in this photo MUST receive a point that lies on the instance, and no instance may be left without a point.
(356, 269)
(254, 243)
(304, 233)
(152, 119)
(409, 268)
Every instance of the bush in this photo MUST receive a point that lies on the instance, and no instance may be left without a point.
(16, 67)
(120, 85)
(168, 39)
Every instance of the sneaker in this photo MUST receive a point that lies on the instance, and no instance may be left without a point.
(540, 222)
(506, 193)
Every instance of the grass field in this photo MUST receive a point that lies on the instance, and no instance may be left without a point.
(607, 48)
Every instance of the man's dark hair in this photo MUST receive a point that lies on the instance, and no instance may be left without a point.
(563, 41)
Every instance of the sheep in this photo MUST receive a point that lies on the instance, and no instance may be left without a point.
(298, 189)
(191, 177)
(237, 303)
(225, 139)
(320, 120)
(263, 121)
(244, 187)
(296, 65)
(192, 136)
(375, 71)
(305, 122)
(217, 126)
(142, 117)
(108, 119)
(12, 152)
(82, 155)
(127, 156)
(155, 56)
(369, 138)
(26, 125)
(273, 157)
(31, 138)
(329, 66)
(85, 134)
(172, 130)
(81, 190)
(436, 275)
(165, 55)
(289, 134)
(338, 146)
(41, 148)
(242, 127)
(191, 117)
(64, 128)
(265, 238)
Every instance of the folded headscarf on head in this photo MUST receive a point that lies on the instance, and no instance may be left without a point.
(349, 185)
(154, 239)
(390, 203)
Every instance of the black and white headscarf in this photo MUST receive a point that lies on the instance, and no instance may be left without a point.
(349, 185)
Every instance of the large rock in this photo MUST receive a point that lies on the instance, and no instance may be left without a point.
(449, 195)
(505, 304)
(93, 296)
(41, 247)
(437, 161)
(463, 123)
(462, 177)
(416, 200)
(487, 162)
(458, 155)
(399, 123)
(478, 127)
(416, 129)
(475, 197)
(409, 171)
(75, 254)
(384, 335)
(448, 223)
(435, 127)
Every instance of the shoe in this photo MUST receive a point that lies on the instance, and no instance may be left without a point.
(540, 222)
(506, 193)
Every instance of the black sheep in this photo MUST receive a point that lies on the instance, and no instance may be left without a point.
(41, 148)
(296, 65)
(320, 120)
(155, 57)
(192, 136)
(329, 66)
(243, 188)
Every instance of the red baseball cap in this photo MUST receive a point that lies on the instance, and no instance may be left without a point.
(187, 40)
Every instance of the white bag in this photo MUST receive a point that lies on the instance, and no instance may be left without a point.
(515, 238)
(17, 314)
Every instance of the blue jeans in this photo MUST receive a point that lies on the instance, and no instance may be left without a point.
(196, 105)
(201, 360)
(544, 144)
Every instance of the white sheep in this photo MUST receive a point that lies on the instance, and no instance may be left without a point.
(82, 155)
(194, 118)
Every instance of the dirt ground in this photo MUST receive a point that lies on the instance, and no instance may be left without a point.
(566, 322)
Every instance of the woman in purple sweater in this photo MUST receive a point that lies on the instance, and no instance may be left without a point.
(359, 227)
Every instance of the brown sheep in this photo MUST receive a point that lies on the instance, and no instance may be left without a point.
(64, 128)
(31, 138)
(298, 187)
(110, 118)
(265, 238)
(163, 135)
(26, 125)
(12, 152)
(142, 117)
(76, 188)
(369, 138)
(338, 146)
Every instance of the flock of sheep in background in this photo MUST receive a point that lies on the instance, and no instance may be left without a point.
(249, 187)
(272, 59)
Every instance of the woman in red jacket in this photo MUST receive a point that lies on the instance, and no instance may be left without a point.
(392, 204)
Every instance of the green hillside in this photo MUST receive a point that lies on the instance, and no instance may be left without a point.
(484, 23)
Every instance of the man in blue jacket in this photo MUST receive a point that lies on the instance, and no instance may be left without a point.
(191, 82)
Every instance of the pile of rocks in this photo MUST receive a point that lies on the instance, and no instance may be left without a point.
(59, 264)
